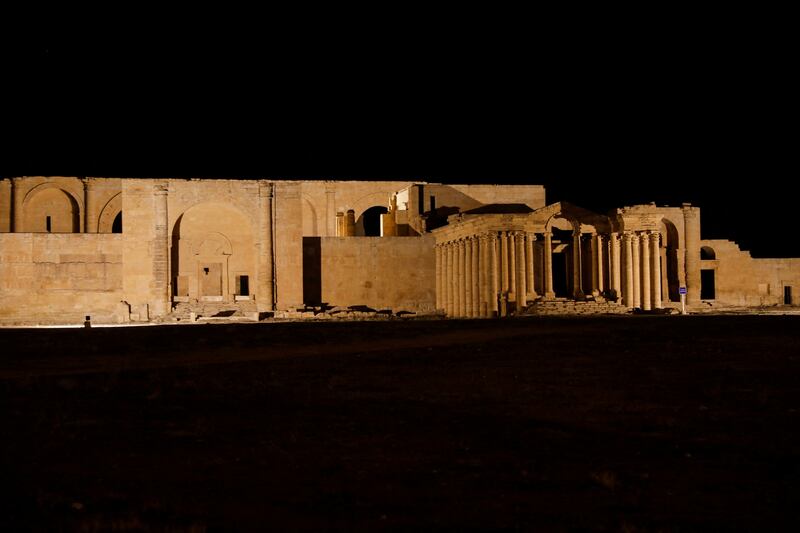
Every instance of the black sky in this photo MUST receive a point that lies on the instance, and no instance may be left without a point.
(602, 123)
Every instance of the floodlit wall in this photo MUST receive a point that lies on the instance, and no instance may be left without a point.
(379, 272)
(742, 280)
(60, 278)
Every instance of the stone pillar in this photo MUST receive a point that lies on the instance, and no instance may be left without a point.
(6, 209)
(350, 223)
(646, 278)
(495, 271)
(520, 288)
(664, 277)
(691, 220)
(449, 279)
(16, 205)
(88, 227)
(630, 301)
(616, 270)
(600, 261)
(512, 262)
(161, 273)
(340, 231)
(577, 293)
(476, 286)
(437, 249)
(265, 298)
(468, 277)
(549, 294)
(485, 273)
(637, 272)
(655, 255)
(456, 278)
(504, 278)
(331, 216)
(462, 278)
(530, 269)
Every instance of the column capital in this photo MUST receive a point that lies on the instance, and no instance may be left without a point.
(655, 236)
(531, 235)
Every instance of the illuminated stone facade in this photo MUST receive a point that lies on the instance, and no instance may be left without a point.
(127, 250)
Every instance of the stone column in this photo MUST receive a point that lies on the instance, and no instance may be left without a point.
(691, 220)
(16, 205)
(476, 286)
(495, 271)
(340, 231)
(88, 227)
(520, 288)
(468, 277)
(512, 262)
(549, 294)
(265, 299)
(449, 279)
(577, 293)
(460, 279)
(161, 273)
(330, 210)
(616, 271)
(637, 272)
(437, 250)
(504, 278)
(600, 261)
(485, 276)
(646, 278)
(530, 262)
(630, 301)
(655, 255)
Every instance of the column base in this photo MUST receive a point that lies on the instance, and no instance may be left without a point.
(550, 296)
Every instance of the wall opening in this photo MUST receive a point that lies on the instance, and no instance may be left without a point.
(706, 252)
(116, 226)
(371, 220)
(243, 285)
(560, 275)
(312, 271)
(48, 225)
(787, 295)
(707, 288)
(433, 203)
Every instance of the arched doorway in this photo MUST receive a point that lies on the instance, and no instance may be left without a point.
(213, 254)
(670, 261)
(369, 223)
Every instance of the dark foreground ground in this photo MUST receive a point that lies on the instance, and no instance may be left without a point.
(608, 424)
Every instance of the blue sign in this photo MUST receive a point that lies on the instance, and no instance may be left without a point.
(682, 290)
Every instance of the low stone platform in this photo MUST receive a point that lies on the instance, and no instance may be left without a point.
(563, 306)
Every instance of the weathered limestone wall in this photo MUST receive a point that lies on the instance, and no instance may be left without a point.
(48, 277)
(139, 247)
(379, 272)
(743, 280)
(5, 205)
(288, 244)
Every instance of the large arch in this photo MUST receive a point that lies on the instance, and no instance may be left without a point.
(670, 261)
(213, 253)
(105, 222)
(49, 208)
(368, 224)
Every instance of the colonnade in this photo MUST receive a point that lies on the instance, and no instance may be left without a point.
(479, 275)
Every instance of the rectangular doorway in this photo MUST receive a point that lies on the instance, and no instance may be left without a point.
(787, 295)
(211, 279)
(708, 290)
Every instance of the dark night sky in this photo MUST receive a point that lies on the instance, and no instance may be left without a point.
(611, 123)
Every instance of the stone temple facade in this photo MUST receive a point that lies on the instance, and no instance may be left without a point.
(135, 250)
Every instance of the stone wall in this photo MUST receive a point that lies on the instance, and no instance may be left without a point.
(743, 280)
(379, 272)
(47, 277)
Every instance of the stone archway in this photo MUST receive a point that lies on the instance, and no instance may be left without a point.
(671, 261)
(109, 214)
(49, 208)
(213, 254)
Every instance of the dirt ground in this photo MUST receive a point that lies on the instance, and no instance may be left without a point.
(634, 423)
